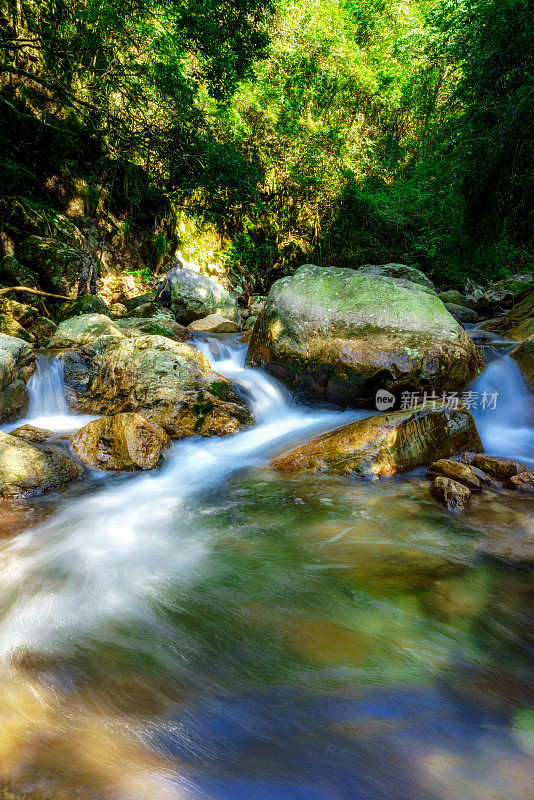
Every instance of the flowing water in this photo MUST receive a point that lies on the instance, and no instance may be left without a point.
(218, 631)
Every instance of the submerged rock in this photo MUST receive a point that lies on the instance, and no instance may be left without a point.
(214, 323)
(339, 335)
(169, 383)
(121, 442)
(194, 296)
(17, 363)
(82, 305)
(460, 473)
(27, 470)
(385, 444)
(77, 331)
(453, 495)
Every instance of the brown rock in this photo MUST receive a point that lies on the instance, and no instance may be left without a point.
(499, 468)
(27, 470)
(523, 481)
(169, 383)
(485, 480)
(385, 444)
(453, 495)
(457, 472)
(121, 442)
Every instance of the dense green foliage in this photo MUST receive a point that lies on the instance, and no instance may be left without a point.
(338, 131)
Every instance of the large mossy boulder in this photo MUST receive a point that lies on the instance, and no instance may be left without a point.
(386, 444)
(194, 296)
(167, 382)
(13, 273)
(84, 304)
(77, 331)
(17, 363)
(58, 266)
(27, 470)
(339, 335)
(122, 442)
(401, 272)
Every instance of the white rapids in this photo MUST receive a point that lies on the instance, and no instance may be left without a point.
(109, 554)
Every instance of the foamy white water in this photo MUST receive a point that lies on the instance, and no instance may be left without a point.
(48, 406)
(108, 555)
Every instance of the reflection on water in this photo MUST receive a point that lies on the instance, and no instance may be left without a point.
(216, 630)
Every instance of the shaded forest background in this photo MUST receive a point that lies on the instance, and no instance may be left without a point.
(259, 134)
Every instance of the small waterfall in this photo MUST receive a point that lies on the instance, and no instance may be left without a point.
(505, 423)
(47, 398)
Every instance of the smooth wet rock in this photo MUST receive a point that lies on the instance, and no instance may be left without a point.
(167, 382)
(78, 331)
(485, 480)
(499, 468)
(461, 473)
(453, 495)
(17, 363)
(522, 481)
(10, 327)
(461, 313)
(156, 326)
(339, 335)
(58, 265)
(400, 271)
(194, 296)
(37, 435)
(214, 323)
(454, 297)
(82, 305)
(121, 442)
(27, 470)
(385, 444)
(523, 355)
